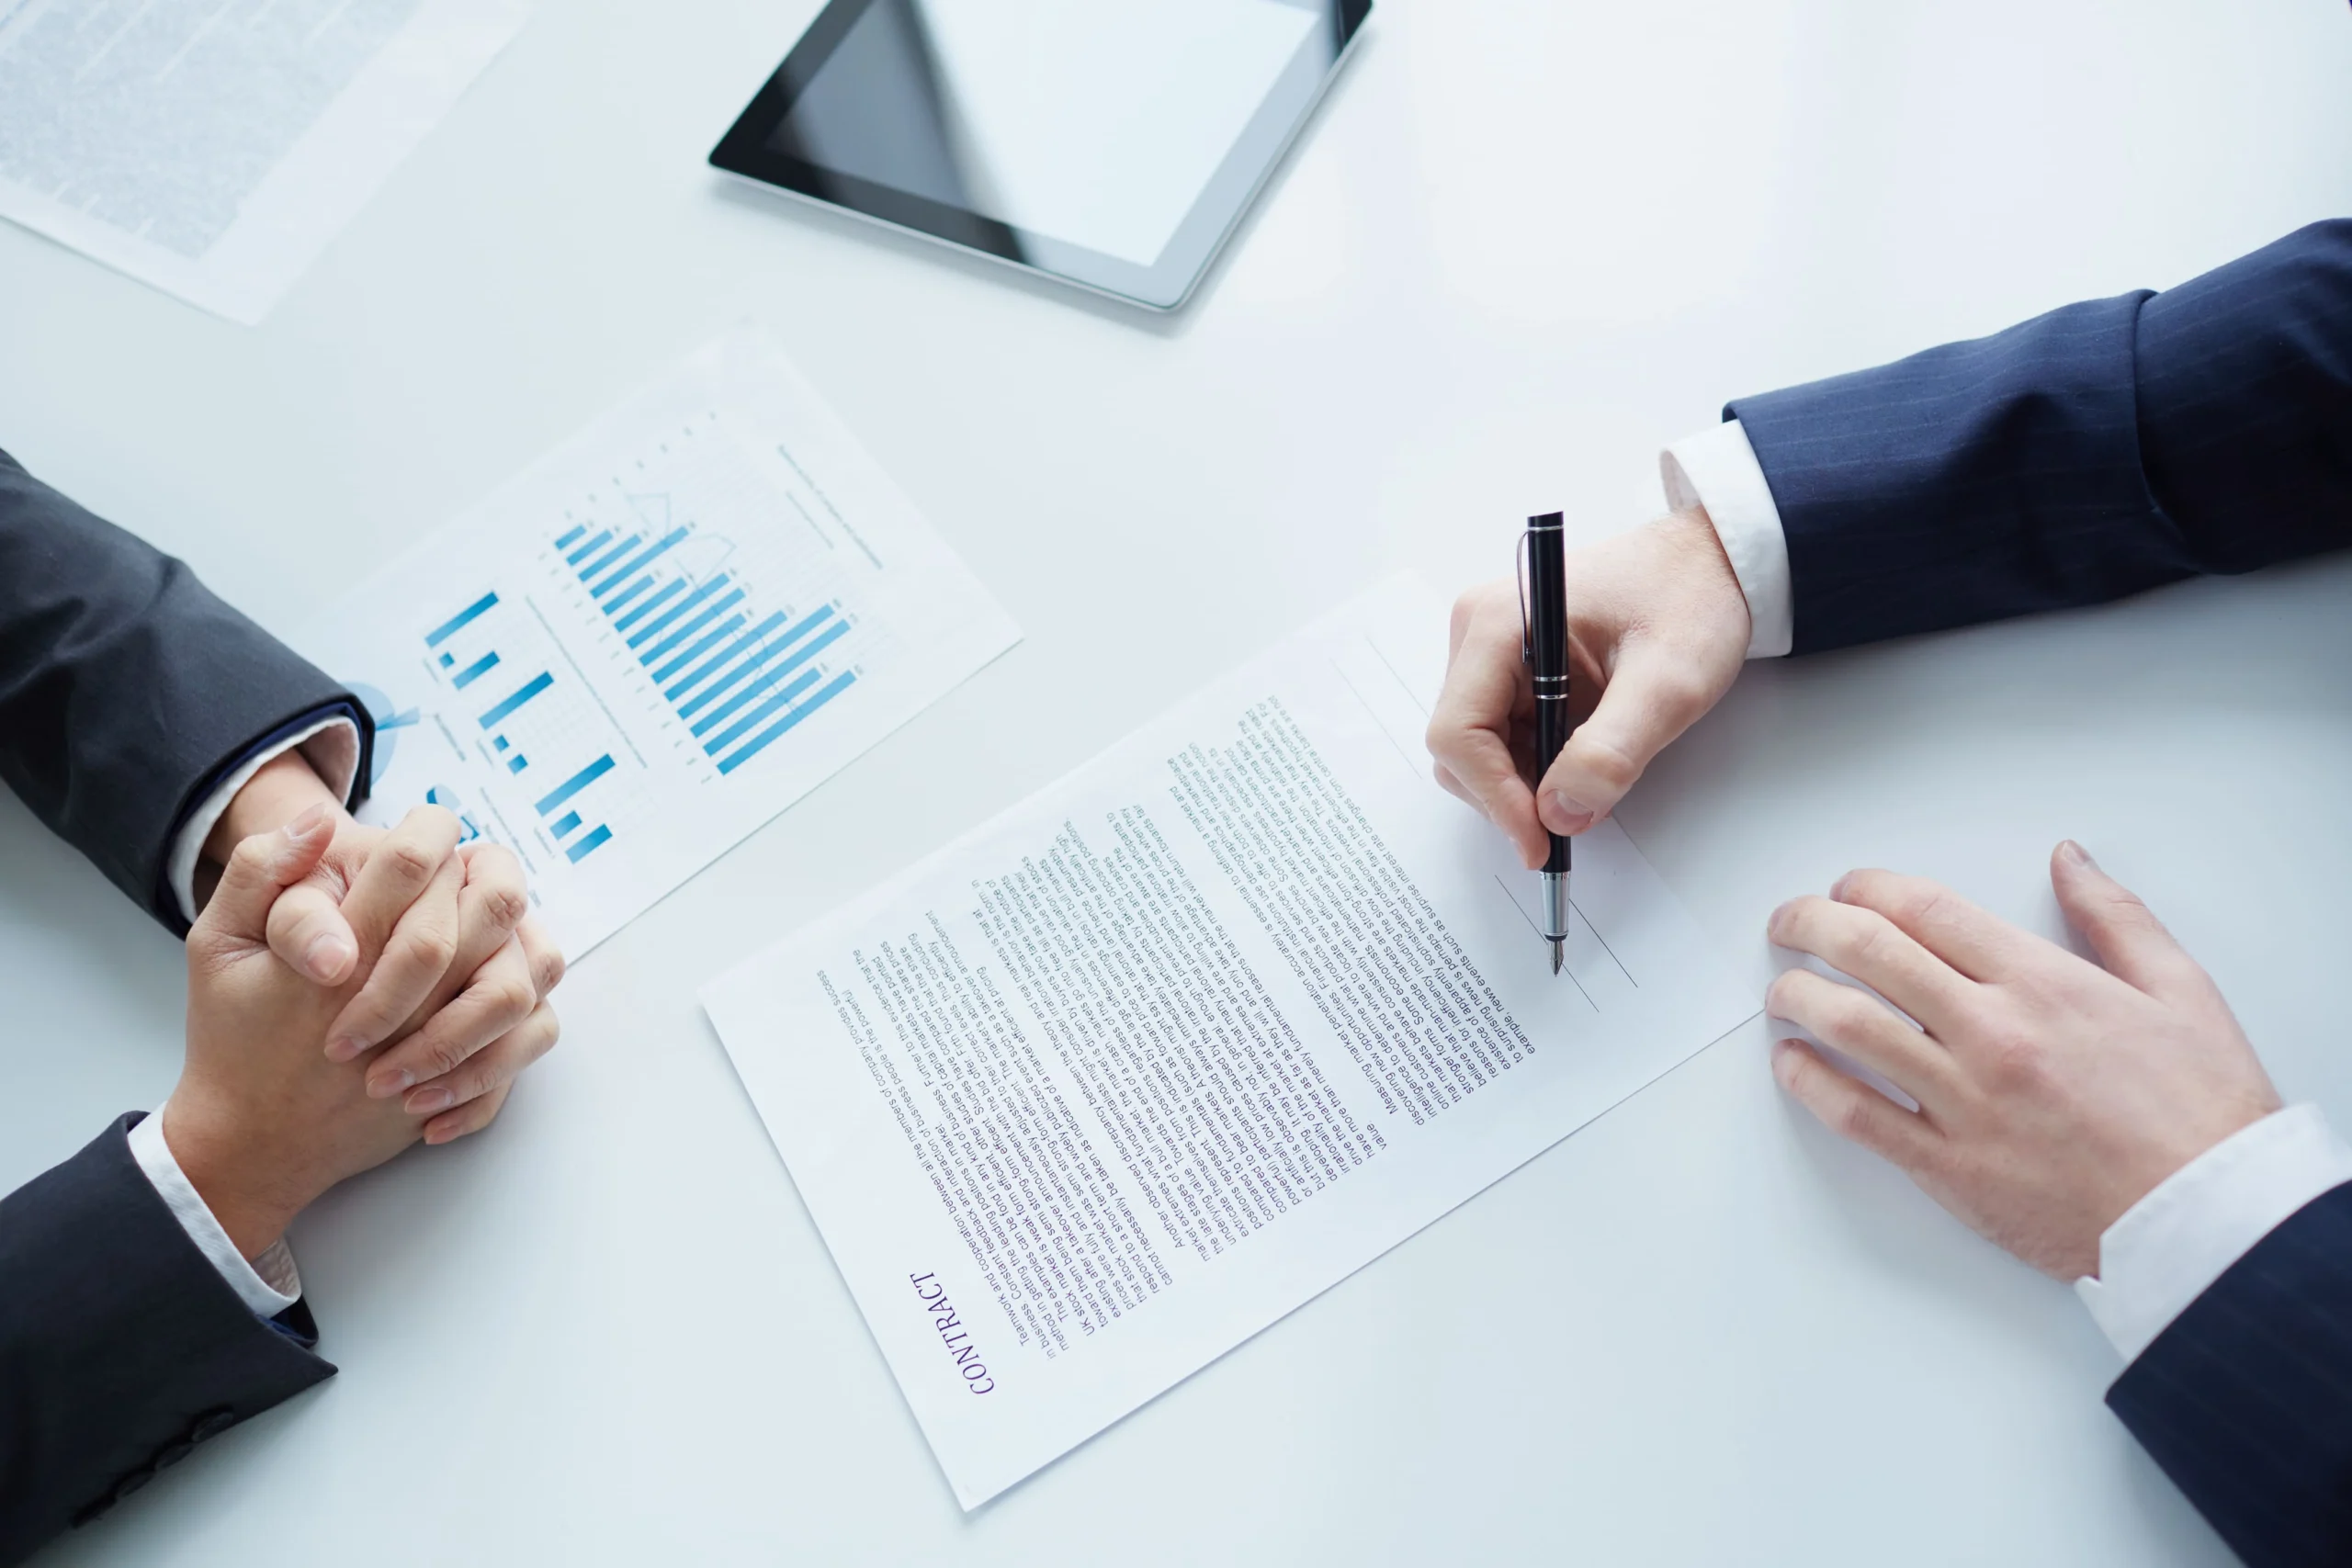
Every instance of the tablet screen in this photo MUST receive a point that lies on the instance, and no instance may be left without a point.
(1097, 122)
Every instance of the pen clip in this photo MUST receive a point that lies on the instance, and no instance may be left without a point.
(1526, 627)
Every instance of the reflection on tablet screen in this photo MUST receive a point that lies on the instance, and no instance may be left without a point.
(1097, 122)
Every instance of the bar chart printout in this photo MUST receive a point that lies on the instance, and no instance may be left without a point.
(655, 638)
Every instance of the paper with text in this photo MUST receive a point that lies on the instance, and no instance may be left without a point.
(213, 148)
(1097, 1093)
(657, 637)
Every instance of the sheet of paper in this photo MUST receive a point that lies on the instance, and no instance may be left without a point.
(657, 637)
(1099, 1092)
(212, 148)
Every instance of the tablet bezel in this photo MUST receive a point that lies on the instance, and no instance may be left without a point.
(1163, 286)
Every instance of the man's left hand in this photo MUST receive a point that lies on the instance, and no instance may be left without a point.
(462, 985)
(2052, 1093)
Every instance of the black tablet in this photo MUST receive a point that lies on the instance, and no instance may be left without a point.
(1111, 143)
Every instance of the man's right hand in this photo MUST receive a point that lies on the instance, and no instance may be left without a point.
(1657, 629)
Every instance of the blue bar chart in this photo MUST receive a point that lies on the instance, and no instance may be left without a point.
(581, 848)
(464, 651)
(715, 671)
(738, 678)
(645, 646)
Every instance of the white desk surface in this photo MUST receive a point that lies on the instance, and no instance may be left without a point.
(1523, 247)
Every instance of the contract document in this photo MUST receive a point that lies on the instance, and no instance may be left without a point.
(212, 148)
(1095, 1094)
(657, 637)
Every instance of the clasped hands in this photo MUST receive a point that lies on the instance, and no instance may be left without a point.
(351, 990)
(2048, 1093)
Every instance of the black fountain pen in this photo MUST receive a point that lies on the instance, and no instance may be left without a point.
(1544, 594)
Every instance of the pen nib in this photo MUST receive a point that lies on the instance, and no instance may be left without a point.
(1556, 946)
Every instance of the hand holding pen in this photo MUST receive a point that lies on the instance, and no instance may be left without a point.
(1656, 629)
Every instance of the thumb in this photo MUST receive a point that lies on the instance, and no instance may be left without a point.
(1654, 693)
(2130, 942)
(261, 868)
(307, 930)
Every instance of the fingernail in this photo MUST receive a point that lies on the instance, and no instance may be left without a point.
(383, 1086)
(439, 1135)
(1569, 814)
(1837, 888)
(2075, 854)
(344, 1047)
(307, 823)
(426, 1102)
(1773, 926)
(1784, 1060)
(325, 956)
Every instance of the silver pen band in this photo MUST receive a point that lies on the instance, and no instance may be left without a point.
(1556, 906)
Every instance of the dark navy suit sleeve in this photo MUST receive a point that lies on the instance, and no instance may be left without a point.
(2094, 452)
(2245, 1400)
(2102, 449)
(127, 690)
(121, 1348)
(128, 693)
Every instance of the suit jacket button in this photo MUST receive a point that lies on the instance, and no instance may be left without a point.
(173, 1454)
(133, 1482)
(211, 1424)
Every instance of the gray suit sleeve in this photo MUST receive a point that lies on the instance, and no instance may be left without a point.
(127, 690)
(121, 1348)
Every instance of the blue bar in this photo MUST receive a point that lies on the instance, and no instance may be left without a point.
(696, 677)
(587, 846)
(447, 660)
(565, 543)
(645, 559)
(655, 627)
(718, 608)
(537, 684)
(590, 547)
(460, 621)
(476, 671)
(834, 688)
(576, 783)
(634, 589)
(609, 557)
(516, 763)
(734, 732)
(732, 676)
(711, 640)
(675, 585)
(809, 623)
(499, 741)
(570, 820)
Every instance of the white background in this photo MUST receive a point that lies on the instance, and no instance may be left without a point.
(1520, 247)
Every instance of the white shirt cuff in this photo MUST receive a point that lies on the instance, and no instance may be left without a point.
(270, 1284)
(2171, 1246)
(330, 745)
(1716, 469)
